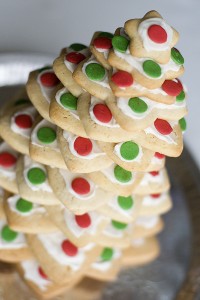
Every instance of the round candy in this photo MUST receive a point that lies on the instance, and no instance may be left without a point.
(46, 135)
(81, 186)
(122, 79)
(69, 101)
(7, 159)
(177, 57)
(137, 105)
(122, 175)
(152, 69)
(172, 88)
(129, 150)
(102, 113)
(69, 248)
(44, 69)
(83, 221)
(8, 234)
(102, 43)
(23, 205)
(154, 173)
(125, 203)
(95, 71)
(36, 176)
(77, 47)
(119, 225)
(49, 79)
(22, 101)
(105, 34)
(163, 126)
(181, 96)
(107, 254)
(183, 124)
(42, 274)
(23, 121)
(155, 195)
(120, 43)
(157, 34)
(75, 57)
(159, 155)
(83, 146)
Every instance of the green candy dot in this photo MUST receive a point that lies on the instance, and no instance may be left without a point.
(95, 71)
(36, 176)
(106, 34)
(119, 225)
(125, 203)
(77, 47)
(107, 254)
(69, 101)
(22, 101)
(137, 105)
(46, 135)
(181, 96)
(122, 175)
(8, 234)
(152, 69)
(120, 43)
(23, 205)
(183, 124)
(44, 69)
(129, 150)
(177, 57)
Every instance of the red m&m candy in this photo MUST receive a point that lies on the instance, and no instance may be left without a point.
(42, 274)
(102, 113)
(7, 159)
(155, 195)
(122, 79)
(80, 186)
(83, 221)
(75, 57)
(49, 79)
(157, 34)
(23, 121)
(163, 126)
(172, 87)
(69, 248)
(103, 43)
(159, 155)
(154, 173)
(83, 146)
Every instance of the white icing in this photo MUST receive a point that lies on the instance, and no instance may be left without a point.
(169, 138)
(113, 232)
(71, 66)
(147, 222)
(47, 92)
(104, 266)
(10, 172)
(136, 159)
(114, 205)
(150, 201)
(57, 97)
(103, 51)
(31, 111)
(148, 178)
(156, 161)
(68, 178)
(31, 273)
(53, 245)
(28, 164)
(36, 141)
(36, 209)
(112, 124)
(109, 173)
(148, 44)
(17, 243)
(96, 151)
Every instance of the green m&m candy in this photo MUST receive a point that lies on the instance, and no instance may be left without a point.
(177, 57)
(23, 205)
(119, 225)
(36, 176)
(8, 234)
(180, 97)
(120, 43)
(69, 101)
(95, 71)
(183, 124)
(137, 105)
(107, 254)
(105, 34)
(22, 101)
(129, 150)
(77, 47)
(152, 69)
(46, 135)
(122, 175)
(125, 203)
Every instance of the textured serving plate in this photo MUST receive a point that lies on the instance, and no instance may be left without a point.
(176, 273)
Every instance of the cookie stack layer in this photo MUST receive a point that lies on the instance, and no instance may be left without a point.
(83, 163)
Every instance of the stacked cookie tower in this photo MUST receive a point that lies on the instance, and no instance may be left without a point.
(84, 165)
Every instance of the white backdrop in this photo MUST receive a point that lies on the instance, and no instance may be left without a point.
(46, 26)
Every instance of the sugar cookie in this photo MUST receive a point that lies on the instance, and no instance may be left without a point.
(156, 204)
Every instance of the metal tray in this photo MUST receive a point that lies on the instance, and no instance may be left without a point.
(176, 273)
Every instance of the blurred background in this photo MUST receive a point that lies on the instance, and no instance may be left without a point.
(46, 26)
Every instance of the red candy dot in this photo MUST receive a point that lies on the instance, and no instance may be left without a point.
(155, 195)
(102, 113)
(154, 173)
(163, 126)
(157, 34)
(69, 248)
(81, 186)
(83, 221)
(49, 79)
(172, 88)
(102, 43)
(75, 57)
(122, 79)
(7, 159)
(83, 146)
(159, 155)
(23, 121)
(42, 274)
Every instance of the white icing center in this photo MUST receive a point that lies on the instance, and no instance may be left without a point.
(147, 222)
(17, 243)
(114, 205)
(104, 266)
(47, 92)
(136, 159)
(109, 173)
(150, 201)
(73, 112)
(148, 178)
(71, 66)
